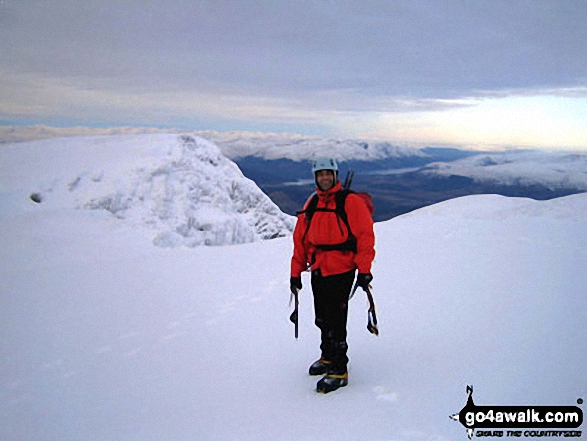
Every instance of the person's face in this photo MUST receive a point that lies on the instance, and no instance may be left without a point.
(325, 179)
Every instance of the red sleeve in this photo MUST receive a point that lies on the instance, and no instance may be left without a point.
(299, 261)
(361, 224)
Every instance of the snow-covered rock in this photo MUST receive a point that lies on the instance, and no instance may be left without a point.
(180, 186)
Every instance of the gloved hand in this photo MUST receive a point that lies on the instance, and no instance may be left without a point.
(295, 284)
(364, 279)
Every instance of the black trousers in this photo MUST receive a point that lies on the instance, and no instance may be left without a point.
(331, 296)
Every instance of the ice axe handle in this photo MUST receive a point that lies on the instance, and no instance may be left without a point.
(371, 315)
(294, 315)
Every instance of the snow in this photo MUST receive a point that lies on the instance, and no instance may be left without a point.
(104, 336)
(180, 186)
(553, 169)
(300, 147)
(235, 144)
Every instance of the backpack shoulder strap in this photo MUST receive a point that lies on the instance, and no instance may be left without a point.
(310, 207)
(340, 199)
(308, 212)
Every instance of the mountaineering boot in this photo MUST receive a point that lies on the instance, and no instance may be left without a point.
(319, 367)
(331, 382)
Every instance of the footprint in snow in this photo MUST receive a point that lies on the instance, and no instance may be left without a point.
(385, 394)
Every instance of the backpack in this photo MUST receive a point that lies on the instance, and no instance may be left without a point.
(340, 198)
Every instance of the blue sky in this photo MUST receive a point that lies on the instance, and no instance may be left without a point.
(467, 73)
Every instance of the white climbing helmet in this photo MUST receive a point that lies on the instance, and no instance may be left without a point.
(325, 164)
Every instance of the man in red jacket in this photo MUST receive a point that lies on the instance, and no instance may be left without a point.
(324, 245)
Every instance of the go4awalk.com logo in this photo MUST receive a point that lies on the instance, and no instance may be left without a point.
(519, 421)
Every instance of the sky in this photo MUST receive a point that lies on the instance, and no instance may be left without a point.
(502, 74)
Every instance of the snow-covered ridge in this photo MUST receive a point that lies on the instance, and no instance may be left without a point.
(554, 170)
(180, 186)
(300, 147)
(235, 144)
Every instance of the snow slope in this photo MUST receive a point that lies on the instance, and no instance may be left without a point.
(180, 187)
(104, 336)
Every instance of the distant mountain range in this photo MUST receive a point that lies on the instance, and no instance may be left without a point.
(400, 179)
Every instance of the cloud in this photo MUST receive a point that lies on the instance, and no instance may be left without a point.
(547, 121)
(321, 64)
(415, 48)
(10, 134)
(36, 96)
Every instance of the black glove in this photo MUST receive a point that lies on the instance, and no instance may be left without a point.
(364, 279)
(295, 284)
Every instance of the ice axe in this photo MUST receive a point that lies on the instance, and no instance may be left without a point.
(294, 315)
(371, 315)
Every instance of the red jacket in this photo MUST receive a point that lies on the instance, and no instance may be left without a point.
(326, 228)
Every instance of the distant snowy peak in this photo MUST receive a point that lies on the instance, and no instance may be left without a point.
(553, 170)
(298, 147)
(182, 187)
